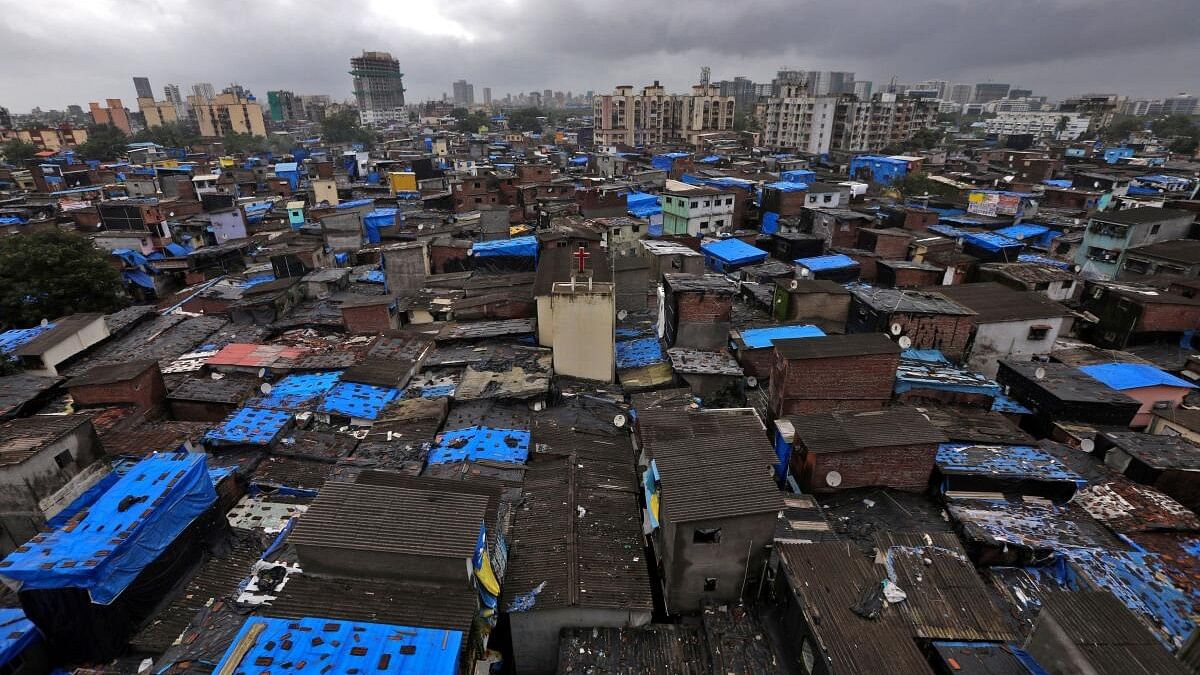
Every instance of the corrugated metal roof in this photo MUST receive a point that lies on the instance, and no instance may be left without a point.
(22, 438)
(405, 521)
(836, 346)
(425, 605)
(851, 431)
(1108, 633)
(994, 303)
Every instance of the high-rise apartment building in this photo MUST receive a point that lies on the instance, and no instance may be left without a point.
(115, 114)
(1180, 104)
(464, 93)
(227, 113)
(142, 86)
(285, 106)
(655, 117)
(742, 89)
(818, 124)
(862, 88)
(960, 93)
(940, 87)
(157, 113)
(990, 91)
(204, 90)
(487, 96)
(378, 87)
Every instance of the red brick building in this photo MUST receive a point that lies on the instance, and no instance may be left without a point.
(136, 383)
(928, 320)
(697, 310)
(894, 448)
(836, 372)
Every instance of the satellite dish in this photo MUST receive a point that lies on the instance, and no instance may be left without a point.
(216, 376)
(752, 382)
(621, 315)
(1076, 268)
(905, 342)
(619, 420)
(537, 406)
(265, 387)
(896, 328)
(1040, 373)
(795, 283)
(833, 479)
(1087, 445)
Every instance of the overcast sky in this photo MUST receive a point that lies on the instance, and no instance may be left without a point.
(74, 52)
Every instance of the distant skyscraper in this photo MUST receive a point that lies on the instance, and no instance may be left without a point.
(548, 97)
(171, 95)
(990, 91)
(862, 89)
(142, 86)
(939, 87)
(204, 90)
(464, 93)
(378, 87)
(1020, 93)
(960, 93)
(487, 95)
(5, 118)
(1180, 104)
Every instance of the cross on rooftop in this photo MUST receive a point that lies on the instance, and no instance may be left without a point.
(582, 255)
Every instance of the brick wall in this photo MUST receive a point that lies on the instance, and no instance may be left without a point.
(1168, 318)
(910, 278)
(444, 259)
(369, 319)
(902, 468)
(889, 246)
(201, 411)
(696, 307)
(145, 391)
(947, 332)
(860, 382)
(866, 262)
(919, 220)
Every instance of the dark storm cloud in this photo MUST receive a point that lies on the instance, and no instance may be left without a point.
(88, 51)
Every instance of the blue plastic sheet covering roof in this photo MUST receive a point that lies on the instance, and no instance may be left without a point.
(733, 251)
(798, 176)
(131, 257)
(770, 222)
(1004, 461)
(286, 166)
(354, 399)
(938, 210)
(373, 221)
(250, 426)
(476, 443)
(11, 339)
(1057, 182)
(298, 389)
(373, 277)
(178, 250)
(826, 262)
(1023, 231)
(354, 203)
(947, 230)
(10, 220)
(642, 204)
(1005, 404)
(1141, 190)
(920, 374)
(150, 506)
(119, 468)
(991, 240)
(258, 279)
(639, 353)
(711, 159)
(139, 278)
(665, 161)
(1138, 579)
(1044, 260)
(761, 338)
(318, 646)
(523, 247)
(1121, 376)
(926, 355)
(578, 161)
(787, 186)
(17, 633)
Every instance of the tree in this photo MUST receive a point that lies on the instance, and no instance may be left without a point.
(924, 139)
(471, 122)
(921, 184)
(104, 142)
(744, 121)
(525, 119)
(1175, 125)
(171, 135)
(1184, 145)
(345, 128)
(1120, 128)
(17, 152)
(237, 143)
(48, 274)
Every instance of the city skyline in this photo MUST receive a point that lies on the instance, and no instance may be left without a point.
(1065, 52)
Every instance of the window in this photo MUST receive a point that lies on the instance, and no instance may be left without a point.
(1039, 332)
(64, 459)
(1154, 228)
(719, 222)
(479, 200)
(695, 204)
(706, 535)
(703, 224)
(710, 584)
(707, 203)
(1044, 286)
(827, 198)
(729, 202)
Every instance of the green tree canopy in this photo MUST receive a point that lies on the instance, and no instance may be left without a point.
(1175, 125)
(244, 144)
(525, 119)
(471, 123)
(48, 274)
(1120, 128)
(171, 135)
(924, 139)
(17, 152)
(105, 143)
(921, 184)
(345, 128)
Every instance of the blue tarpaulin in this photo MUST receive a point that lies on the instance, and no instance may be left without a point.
(725, 253)
(258, 279)
(826, 262)
(642, 204)
(787, 186)
(178, 250)
(523, 247)
(377, 219)
(11, 339)
(770, 222)
(354, 399)
(1004, 461)
(798, 176)
(476, 443)
(355, 203)
(664, 161)
(131, 257)
(639, 353)
(990, 241)
(926, 355)
(1058, 183)
(256, 210)
(249, 426)
(296, 390)
(139, 278)
(17, 633)
(761, 338)
(150, 506)
(10, 220)
(372, 277)
(320, 646)
(1044, 260)
(1023, 231)
(578, 161)
(1004, 404)
(1122, 376)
